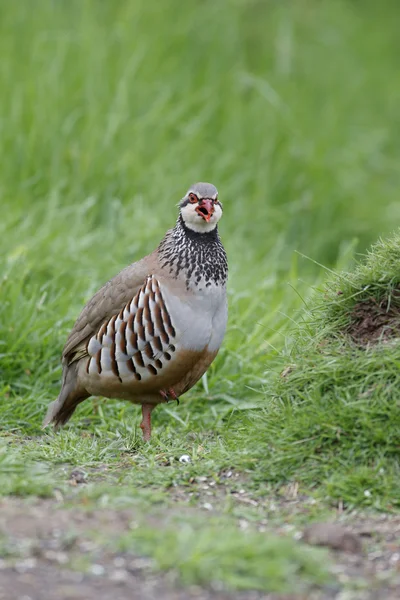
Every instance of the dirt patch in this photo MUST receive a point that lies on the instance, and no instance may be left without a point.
(333, 535)
(41, 581)
(375, 320)
(48, 551)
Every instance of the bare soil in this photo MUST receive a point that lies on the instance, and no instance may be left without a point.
(50, 553)
(375, 320)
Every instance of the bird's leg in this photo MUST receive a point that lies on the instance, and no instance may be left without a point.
(169, 395)
(145, 425)
(164, 395)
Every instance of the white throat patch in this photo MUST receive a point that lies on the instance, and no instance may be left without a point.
(194, 221)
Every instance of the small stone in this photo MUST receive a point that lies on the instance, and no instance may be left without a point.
(25, 565)
(87, 546)
(185, 459)
(333, 536)
(119, 575)
(207, 506)
(395, 557)
(53, 556)
(77, 476)
(140, 564)
(97, 569)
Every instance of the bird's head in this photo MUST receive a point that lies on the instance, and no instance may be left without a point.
(200, 207)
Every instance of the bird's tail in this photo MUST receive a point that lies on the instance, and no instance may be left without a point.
(71, 394)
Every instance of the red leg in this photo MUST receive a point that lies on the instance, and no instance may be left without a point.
(164, 395)
(171, 394)
(145, 425)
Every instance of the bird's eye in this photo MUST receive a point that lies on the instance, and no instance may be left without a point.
(193, 198)
(216, 200)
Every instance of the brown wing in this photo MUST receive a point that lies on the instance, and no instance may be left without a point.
(138, 343)
(108, 301)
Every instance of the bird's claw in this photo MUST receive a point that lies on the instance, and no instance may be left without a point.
(169, 395)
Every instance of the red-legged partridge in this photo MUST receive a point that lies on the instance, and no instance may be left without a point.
(152, 331)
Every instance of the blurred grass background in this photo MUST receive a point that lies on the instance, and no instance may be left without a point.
(291, 108)
(110, 110)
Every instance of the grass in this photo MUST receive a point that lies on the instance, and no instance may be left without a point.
(339, 403)
(22, 479)
(203, 554)
(109, 111)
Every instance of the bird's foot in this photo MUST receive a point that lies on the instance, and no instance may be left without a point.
(169, 395)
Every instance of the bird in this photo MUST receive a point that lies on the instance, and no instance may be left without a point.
(151, 332)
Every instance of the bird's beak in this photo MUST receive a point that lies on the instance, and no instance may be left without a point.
(205, 208)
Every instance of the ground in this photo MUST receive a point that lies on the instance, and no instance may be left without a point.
(53, 552)
(108, 113)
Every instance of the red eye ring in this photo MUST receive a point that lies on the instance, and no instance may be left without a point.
(193, 198)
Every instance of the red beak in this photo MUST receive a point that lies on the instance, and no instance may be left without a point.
(205, 209)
